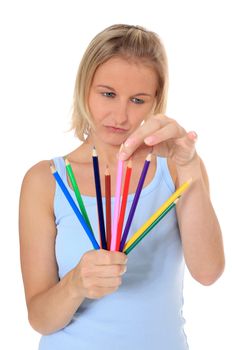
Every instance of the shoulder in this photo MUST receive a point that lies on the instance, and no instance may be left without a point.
(39, 173)
(38, 181)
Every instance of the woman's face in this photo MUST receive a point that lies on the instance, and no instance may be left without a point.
(122, 95)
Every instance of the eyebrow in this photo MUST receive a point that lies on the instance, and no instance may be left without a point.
(112, 89)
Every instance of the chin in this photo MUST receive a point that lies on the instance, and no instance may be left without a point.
(114, 140)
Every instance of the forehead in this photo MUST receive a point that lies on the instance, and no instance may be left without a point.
(133, 73)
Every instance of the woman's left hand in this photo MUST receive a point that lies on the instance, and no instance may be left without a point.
(167, 138)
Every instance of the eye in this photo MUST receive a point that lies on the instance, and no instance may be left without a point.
(137, 100)
(108, 94)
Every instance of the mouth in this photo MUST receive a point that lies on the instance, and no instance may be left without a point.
(115, 129)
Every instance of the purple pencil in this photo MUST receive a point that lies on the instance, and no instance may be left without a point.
(135, 201)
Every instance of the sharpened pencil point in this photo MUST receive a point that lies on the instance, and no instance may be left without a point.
(52, 168)
(67, 162)
(107, 172)
(94, 153)
(129, 165)
(148, 158)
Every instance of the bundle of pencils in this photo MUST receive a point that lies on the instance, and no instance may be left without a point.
(112, 238)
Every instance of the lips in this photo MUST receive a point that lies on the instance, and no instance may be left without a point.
(115, 129)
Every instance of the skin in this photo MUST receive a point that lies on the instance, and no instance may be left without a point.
(121, 97)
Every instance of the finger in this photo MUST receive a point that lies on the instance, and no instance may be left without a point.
(104, 257)
(98, 292)
(110, 282)
(192, 135)
(188, 140)
(137, 138)
(170, 131)
(108, 271)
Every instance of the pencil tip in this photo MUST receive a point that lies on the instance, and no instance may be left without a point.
(94, 153)
(129, 165)
(107, 170)
(52, 168)
(148, 158)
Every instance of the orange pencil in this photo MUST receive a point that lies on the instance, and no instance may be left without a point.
(108, 206)
(123, 204)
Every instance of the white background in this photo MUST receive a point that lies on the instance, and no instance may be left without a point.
(41, 46)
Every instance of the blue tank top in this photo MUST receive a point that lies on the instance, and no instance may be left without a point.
(146, 311)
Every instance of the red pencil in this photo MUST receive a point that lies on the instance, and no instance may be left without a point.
(123, 204)
(108, 207)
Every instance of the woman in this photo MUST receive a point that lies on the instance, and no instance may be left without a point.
(80, 298)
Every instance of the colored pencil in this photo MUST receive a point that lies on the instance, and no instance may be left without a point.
(99, 198)
(123, 203)
(117, 199)
(77, 192)
(108, 206)
(135, 201)
(74, 207)
(161, 209)
(133, 245)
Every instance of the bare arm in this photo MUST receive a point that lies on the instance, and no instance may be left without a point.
(200, 232)
(52, 302)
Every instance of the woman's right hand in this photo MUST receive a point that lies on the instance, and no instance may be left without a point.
(98, 273)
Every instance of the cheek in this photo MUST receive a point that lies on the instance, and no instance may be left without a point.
(95, 107)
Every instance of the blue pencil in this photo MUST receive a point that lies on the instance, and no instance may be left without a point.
(99, 198)
(74, 207)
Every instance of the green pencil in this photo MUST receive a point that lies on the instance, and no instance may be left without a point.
(77, 192)
(133, 245)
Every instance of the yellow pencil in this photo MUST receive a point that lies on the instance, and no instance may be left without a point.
(163, 207)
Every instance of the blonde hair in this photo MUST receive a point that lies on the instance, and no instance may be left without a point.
(122, 40)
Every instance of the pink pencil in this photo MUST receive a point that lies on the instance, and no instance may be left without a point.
(116, 204)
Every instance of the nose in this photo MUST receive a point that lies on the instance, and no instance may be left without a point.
(121, 112)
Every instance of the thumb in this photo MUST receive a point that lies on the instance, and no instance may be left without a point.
(192, 135)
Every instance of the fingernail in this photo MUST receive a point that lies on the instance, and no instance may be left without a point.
(129, 142)
(125, 269)
(150, 140)
(193, 134)
(123, 156)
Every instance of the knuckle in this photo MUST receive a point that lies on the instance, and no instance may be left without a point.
(87, 282)
(116, 270)
(85, 272)
(119, 270)
(103, 257)
(86, 257)
(107, 259)
(158, 116)
(156, 122)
